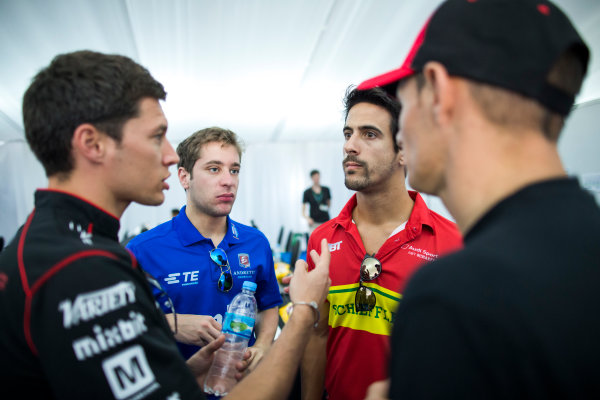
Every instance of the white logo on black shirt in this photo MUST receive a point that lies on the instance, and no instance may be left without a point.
(86, 237)
(128, 373)
(88, 306)
(104, 339)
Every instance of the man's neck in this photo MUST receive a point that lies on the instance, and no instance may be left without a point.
(378, 214)
(210, 227)
(90, 190)
(494, 170)
(391, 206)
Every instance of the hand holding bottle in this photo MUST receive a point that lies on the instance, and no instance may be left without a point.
(201, 361)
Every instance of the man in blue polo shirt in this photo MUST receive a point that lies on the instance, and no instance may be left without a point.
(201, 257)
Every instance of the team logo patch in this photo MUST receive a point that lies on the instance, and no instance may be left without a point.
(3, 280)
(128, 373)
(244, 260)
(90, 305)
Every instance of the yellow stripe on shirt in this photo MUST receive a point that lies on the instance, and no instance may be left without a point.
(378, 321)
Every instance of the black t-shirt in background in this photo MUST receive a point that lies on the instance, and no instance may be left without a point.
(318, 203)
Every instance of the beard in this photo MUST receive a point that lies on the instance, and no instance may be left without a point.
(366, 178)
(357, 180)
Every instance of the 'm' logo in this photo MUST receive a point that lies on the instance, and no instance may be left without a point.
(128, 373)
(244, 260)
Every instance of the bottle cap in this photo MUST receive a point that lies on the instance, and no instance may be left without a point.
(249, 285)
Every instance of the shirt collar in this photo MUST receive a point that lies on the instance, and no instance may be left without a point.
(418, 217)
(420, 214)
(90, 217)
(188, 234)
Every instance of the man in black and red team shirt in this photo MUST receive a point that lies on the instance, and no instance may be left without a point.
(78, 317)
(485, 92)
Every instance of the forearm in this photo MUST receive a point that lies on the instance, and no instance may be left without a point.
(266, 327)
(273, 376)
(313, 368)
(171, 321)
(314, 359)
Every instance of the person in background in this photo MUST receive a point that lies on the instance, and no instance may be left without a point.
(485, 92)
(317, 199)
(202, 257)
(78, 316)
(383, 234)
(174, 212)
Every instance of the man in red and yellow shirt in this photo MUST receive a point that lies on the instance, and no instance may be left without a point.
(384, 229)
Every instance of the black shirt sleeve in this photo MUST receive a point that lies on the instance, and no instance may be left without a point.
(305, 197)
(326, 194)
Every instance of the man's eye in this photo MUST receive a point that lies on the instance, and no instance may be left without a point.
(235, 171)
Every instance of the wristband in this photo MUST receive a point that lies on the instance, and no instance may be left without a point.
(313, 305)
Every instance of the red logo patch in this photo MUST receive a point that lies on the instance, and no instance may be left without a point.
(3, 280)
(544, 9)
(244, 260)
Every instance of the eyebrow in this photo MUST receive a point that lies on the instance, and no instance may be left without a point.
(364, 128)
(217, 162)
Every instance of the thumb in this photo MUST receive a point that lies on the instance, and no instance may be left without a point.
(213, 346)
(300, 268)
(324, 256)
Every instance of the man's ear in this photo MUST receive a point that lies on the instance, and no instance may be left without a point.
(400, 156)
(184, 178)
(443, 91)
(89, 142)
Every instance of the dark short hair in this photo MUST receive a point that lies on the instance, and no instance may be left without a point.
(82, 87)
(378, 97)
(189, 150)
(509, 108)
(314, 172)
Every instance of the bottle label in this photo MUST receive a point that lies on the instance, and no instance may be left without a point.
(240, 325)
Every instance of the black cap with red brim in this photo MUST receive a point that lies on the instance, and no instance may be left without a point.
(511, 44)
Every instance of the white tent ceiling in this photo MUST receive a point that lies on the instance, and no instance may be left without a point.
(271, 70)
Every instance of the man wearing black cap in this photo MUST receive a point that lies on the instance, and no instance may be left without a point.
(484, 95)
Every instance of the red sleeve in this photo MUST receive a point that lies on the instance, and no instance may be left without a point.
(311, 245)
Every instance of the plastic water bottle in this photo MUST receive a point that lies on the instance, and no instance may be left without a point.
(237, 327)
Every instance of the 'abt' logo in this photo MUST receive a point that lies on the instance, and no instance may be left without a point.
(128, 373)
(334, 246)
